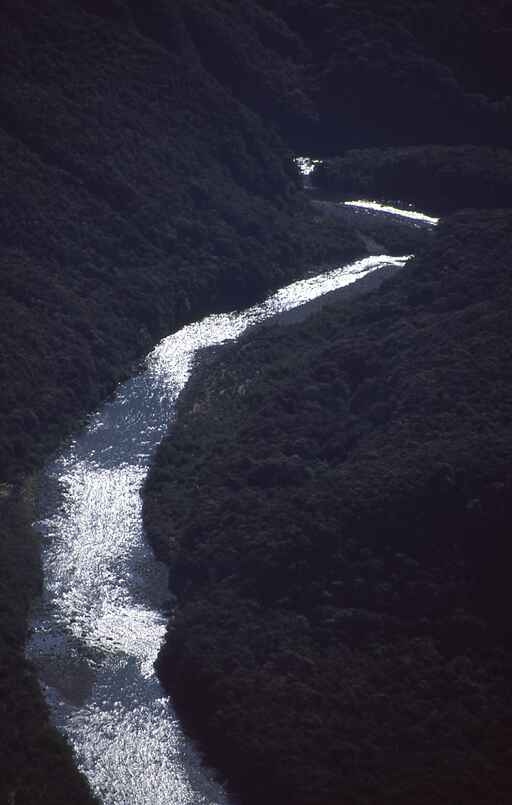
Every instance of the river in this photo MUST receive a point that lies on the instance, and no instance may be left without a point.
(100, 622)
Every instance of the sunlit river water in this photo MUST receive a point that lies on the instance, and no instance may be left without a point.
(102, 617)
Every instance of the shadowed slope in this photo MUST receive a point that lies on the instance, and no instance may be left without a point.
(334, 501)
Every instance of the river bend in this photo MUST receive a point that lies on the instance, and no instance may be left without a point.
(102, 616)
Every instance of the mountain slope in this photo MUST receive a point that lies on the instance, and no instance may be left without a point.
(137, 193)
(146, 178)
(334, 504)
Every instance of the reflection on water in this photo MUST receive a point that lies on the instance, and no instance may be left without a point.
(374, 205)
(307, 165)
(101, 622)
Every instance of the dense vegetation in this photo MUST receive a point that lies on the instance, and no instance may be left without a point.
(334, 503)
(139, 194)
(437, 178)
(146, 177)
(136, 193)
(37, 766)
(392, 72)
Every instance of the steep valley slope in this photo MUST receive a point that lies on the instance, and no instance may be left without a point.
(147, 177)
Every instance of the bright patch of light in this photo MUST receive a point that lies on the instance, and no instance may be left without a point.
(307, 165)
(374, 205)
(302, 291)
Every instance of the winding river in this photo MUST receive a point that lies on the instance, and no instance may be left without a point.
(102, 616)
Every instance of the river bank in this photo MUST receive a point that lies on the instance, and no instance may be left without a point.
(29, 740)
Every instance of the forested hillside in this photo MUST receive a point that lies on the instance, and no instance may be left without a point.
(334, 503)
(137, 193)
(147, 177)
(391, 72)
(439, 179)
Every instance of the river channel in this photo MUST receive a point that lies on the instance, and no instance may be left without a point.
(101, 620)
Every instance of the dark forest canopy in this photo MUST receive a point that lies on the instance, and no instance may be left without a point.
(143, 182)
(437, 178)
(137, 193)
(334, 503)
(138, 190)
(146, 177)
(392, 72)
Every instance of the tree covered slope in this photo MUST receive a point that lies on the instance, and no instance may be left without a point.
(136, 193)
(334, 504)
(437, 178)
(391, 72)
(146, 177)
